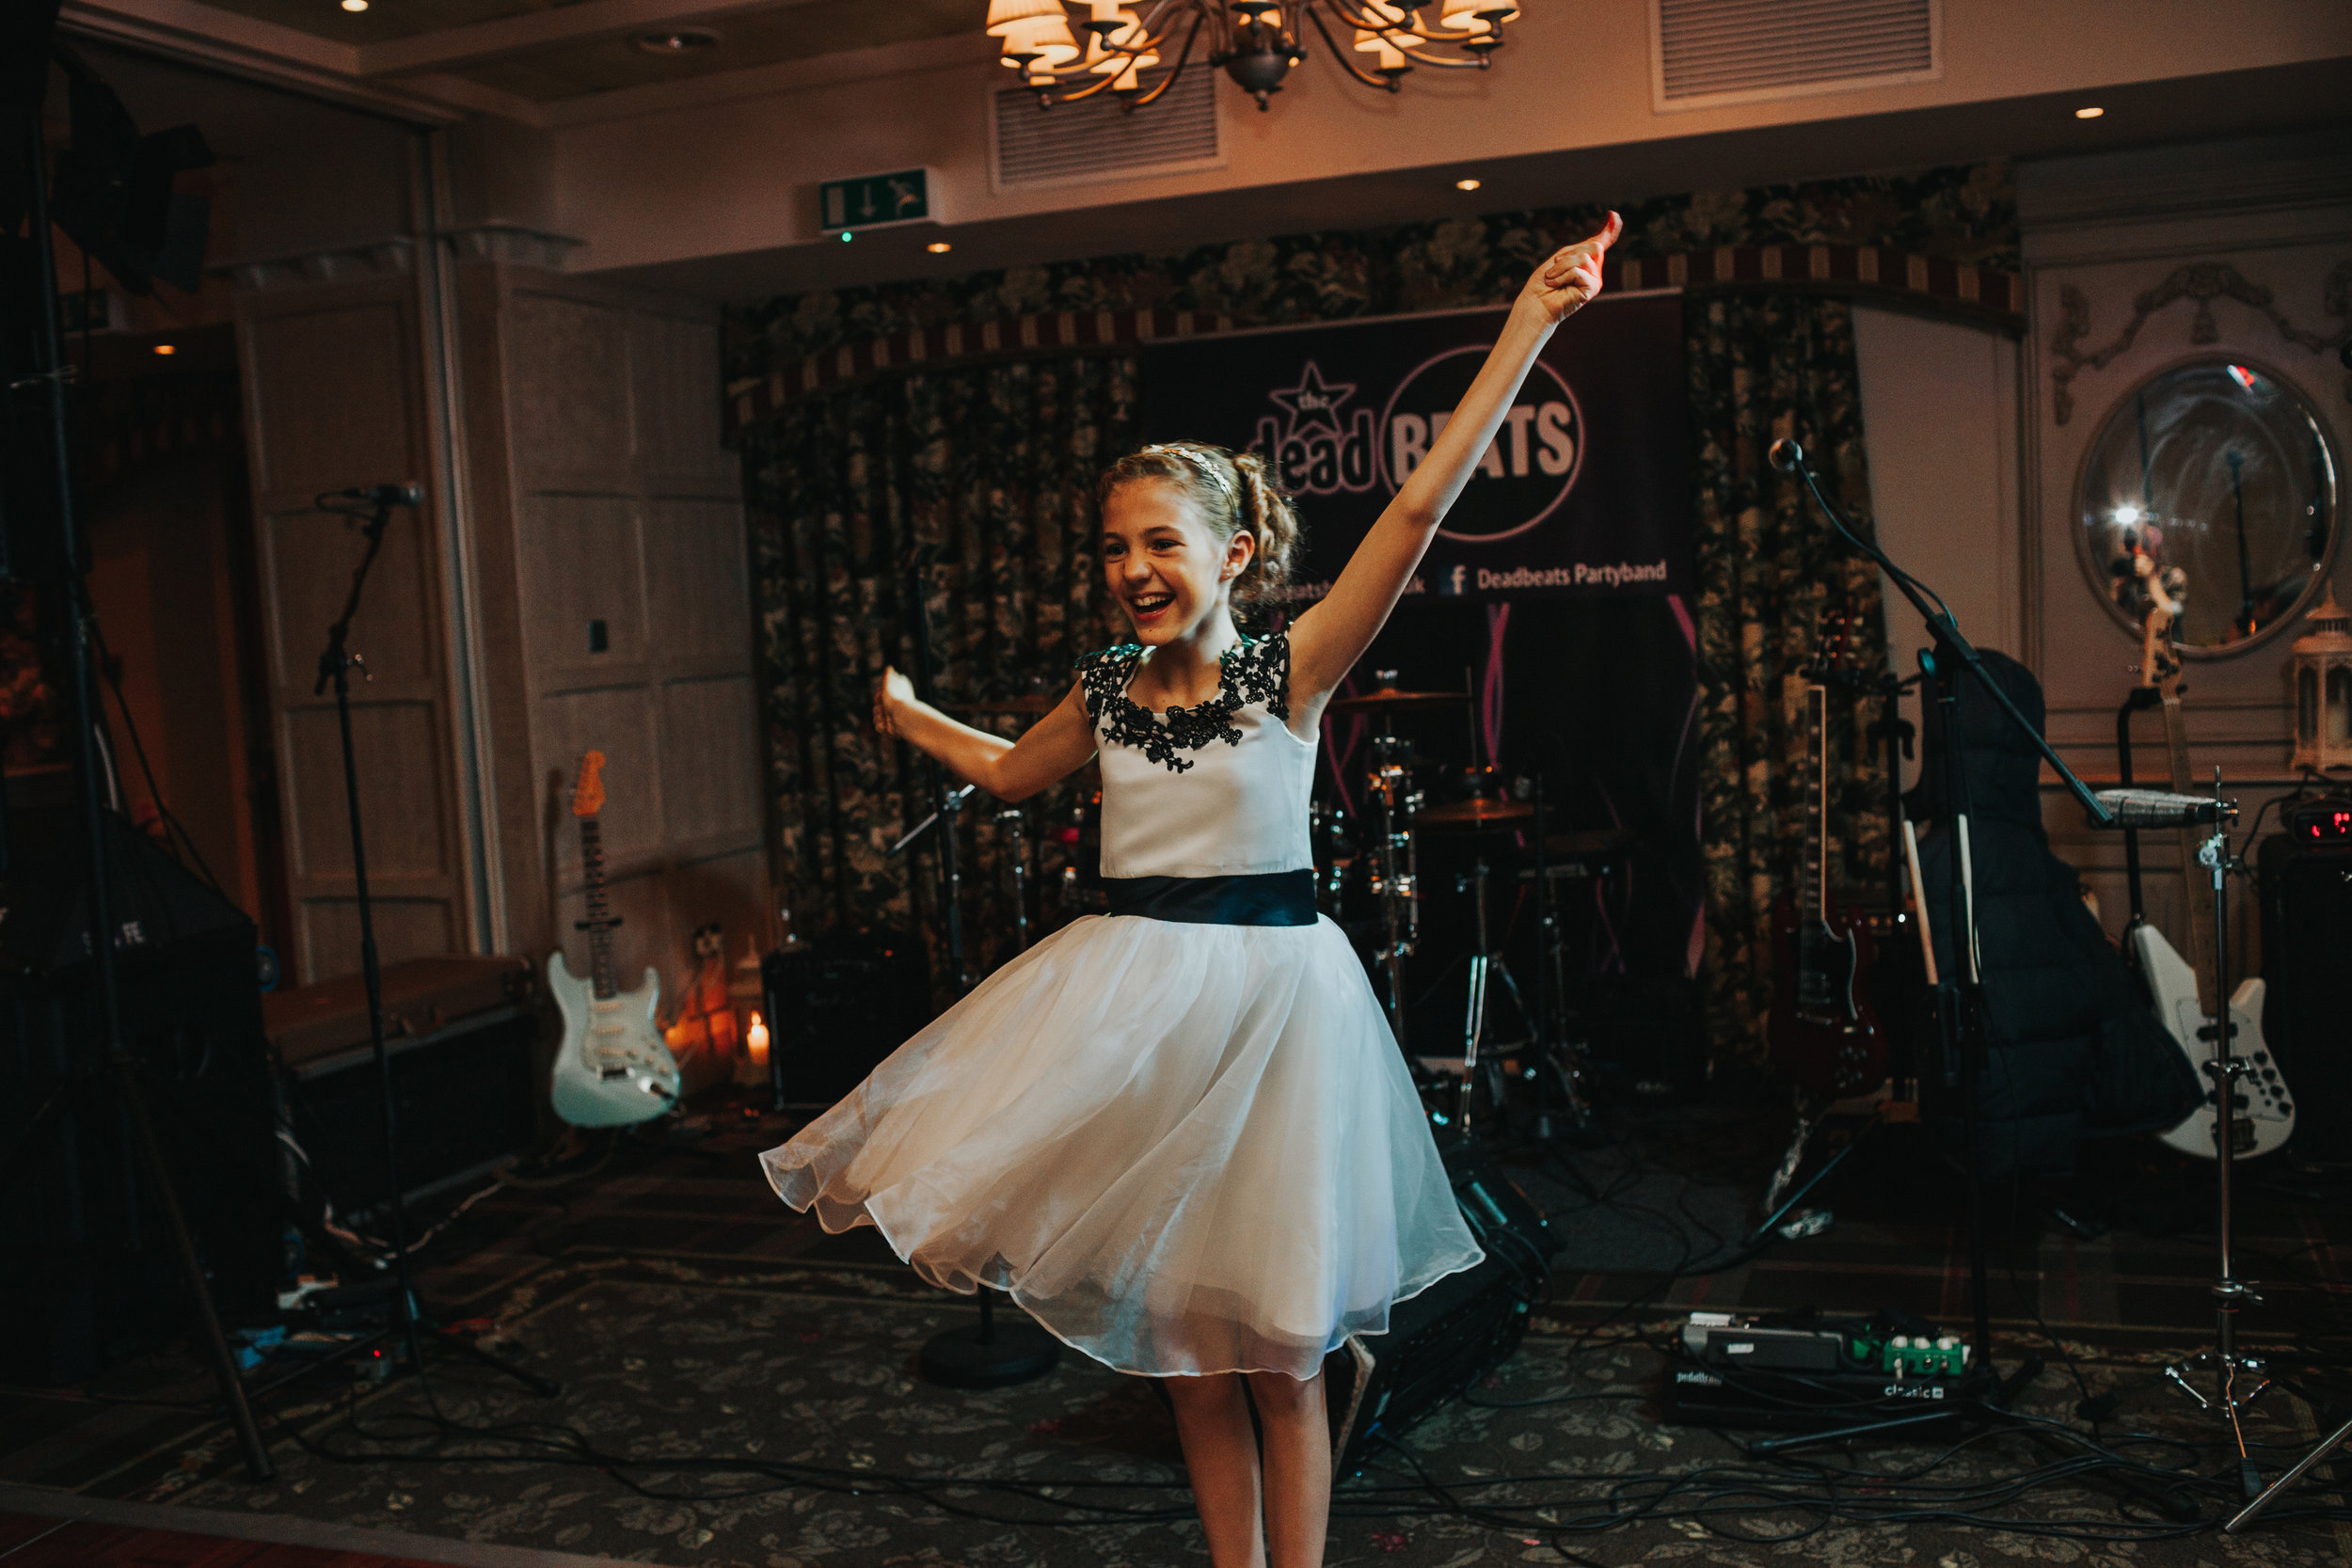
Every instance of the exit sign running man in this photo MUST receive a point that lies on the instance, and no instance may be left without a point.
(876, 200)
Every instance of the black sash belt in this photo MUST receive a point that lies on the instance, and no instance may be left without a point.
(1264, 898)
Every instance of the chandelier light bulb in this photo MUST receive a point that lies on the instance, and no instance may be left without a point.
(1097, 46)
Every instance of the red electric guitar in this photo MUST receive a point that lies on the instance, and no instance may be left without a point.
(1822, 1031)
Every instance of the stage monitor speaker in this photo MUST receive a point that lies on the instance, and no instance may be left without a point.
(87, 1277)
(836, 1006)
(1445, 1340)
(2307, 1016)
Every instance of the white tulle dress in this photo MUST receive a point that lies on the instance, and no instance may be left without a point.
(1182, 1143)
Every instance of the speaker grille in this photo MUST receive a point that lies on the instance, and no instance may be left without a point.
(1098, 140)
(1728, 51)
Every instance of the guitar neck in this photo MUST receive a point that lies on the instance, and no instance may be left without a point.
(605, 979)
(1813, 891)
(2196, 881)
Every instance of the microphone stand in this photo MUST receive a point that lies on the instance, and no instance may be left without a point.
(336, 662)
(1958, 996)
(987, 1354)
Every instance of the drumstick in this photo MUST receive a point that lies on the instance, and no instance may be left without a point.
(1968, 901)
(1918, 899)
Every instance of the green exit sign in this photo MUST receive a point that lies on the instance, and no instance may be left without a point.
(876, 200)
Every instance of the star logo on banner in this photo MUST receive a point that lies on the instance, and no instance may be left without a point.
(1314, 401)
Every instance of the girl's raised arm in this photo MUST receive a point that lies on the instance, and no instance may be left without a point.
(1328, 639)
(1051, 750)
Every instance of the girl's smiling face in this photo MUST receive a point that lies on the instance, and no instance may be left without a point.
(1164, 562)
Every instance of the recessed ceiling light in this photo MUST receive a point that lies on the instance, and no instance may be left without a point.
(1466, 184)
(166, 348)
(939, 247)
(674, 40)
(355, 4)
(2092, 113)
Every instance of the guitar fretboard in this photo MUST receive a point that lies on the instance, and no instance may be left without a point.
(605, 981)
(1813, 889)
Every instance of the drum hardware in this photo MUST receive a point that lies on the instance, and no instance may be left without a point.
(1016, 822)
(1386, 700)
(1475, 815)
(1396, 866)
(1487, 965)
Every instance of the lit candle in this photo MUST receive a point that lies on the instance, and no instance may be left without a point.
(758, 1040)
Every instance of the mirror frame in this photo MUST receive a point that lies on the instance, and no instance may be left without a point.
(2095, 574)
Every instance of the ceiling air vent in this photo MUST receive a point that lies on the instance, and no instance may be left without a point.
(1098, 139)
(1709, 52)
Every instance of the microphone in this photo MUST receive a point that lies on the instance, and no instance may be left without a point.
(2157, 808)
(1787, 455)
(408, 494)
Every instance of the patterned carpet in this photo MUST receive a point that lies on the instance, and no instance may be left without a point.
(739, 1389)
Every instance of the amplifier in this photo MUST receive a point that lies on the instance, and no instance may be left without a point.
(463, 1041)
(835, 1008)
(88, 1277)
(2305, 876)
(1451, 1334)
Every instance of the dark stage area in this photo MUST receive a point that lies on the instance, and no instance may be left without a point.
(700, 1329)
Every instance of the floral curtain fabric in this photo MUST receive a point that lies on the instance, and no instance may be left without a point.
(993, 465)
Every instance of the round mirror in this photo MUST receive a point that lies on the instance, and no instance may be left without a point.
(2215, 478)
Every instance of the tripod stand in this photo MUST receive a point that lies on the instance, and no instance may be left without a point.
(49, 375)
(336, 662)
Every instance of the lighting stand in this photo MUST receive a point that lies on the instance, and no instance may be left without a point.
(72, 605)
(336, 662)
(987, 1354)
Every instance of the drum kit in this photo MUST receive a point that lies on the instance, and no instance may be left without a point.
(1369, 882)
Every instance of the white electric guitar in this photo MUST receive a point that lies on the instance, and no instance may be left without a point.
(614, 1068)
(2262, 1116)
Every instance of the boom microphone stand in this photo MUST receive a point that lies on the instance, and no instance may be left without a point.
(49, 377)
(988, 1354)
(1958, 994)
(335, 665)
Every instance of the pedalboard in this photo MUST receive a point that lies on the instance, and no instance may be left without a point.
(1802, 1373)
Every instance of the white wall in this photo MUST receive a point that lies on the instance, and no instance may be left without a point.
(1939, 419)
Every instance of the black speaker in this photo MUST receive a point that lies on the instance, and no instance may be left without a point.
(86, 1276)
(2306, 886)
(836, 1006)
(1454, 1333)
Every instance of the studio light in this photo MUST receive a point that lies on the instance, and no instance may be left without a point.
(2092, 112)
(1256, 42)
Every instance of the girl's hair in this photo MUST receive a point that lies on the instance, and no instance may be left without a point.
(1236, 492)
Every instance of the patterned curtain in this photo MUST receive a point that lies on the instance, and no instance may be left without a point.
(989, 472)
(1762, 367)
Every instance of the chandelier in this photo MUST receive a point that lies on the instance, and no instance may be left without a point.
(1257, 41)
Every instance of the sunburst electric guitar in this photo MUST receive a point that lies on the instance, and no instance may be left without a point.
(612, 1068)
(2262, 1116)
(1822, 1030)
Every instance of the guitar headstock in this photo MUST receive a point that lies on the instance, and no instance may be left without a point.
(588, 794)
(1833, 647)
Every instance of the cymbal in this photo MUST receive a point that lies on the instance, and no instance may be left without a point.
(1390, 700)
(1042, 701)
(1473, 814)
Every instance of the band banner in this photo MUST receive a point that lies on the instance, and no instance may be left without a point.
(1584, 492)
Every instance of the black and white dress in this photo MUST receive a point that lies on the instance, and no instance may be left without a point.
(1180, 1134)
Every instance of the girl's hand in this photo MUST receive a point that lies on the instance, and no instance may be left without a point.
(1567, 282)
(892, 698)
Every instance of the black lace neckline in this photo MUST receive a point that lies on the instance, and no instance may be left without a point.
(1250, 672)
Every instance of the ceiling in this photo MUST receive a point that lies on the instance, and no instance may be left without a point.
(554, 52)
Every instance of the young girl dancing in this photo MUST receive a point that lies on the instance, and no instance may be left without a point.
(1181, 1134)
